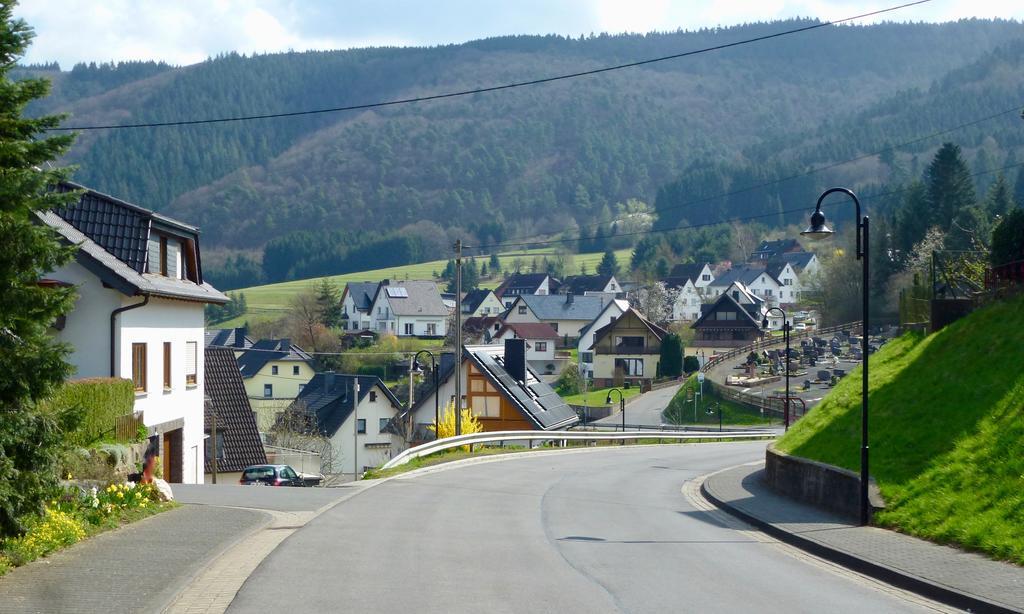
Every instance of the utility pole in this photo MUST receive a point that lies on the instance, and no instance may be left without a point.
(213, 444)
(355, 430)
(458, 337)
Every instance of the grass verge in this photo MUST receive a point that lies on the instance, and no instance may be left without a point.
(681, 411)
(596, 398)
(947, 430)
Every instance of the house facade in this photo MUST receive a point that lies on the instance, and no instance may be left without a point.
(753, 277)
(588, 334)
(356, 305)
(409, 309)
(501, 390)
(770, 250)
(733, 320)
(520, 284)
(686, 301)
(541, 340)
(481, 303)
(274, 372)
(355, 413)
(700, 275)
(627, 350)
(139, 315)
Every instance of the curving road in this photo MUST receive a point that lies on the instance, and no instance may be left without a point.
(608, 530)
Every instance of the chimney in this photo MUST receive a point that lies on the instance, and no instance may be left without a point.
(328, 381)
(568, 298)
(240, 337)
(285, 345)
(515, 358)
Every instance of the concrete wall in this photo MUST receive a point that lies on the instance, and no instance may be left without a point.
(819, 484)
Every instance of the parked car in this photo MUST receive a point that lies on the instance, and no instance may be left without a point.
(271, 475)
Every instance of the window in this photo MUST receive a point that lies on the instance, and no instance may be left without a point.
(373, 396)
(361, 425)
(408, 328)
(431, 329)
(295, 369)
(383, 424)
(191, 362)
(288, 473)
(705, 277)
(139, 366)
(167, 365)
(631, 367)
(541, 346)
(273, 369)
(725, 315)
(522, 310)
(220, 447)
(486, 406)
(767, 291)
(268, 390)
(479, 384)
(163, 256)
(788, 282)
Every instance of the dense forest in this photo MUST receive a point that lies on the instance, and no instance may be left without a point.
(329, 193)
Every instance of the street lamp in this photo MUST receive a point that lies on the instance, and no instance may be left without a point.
(622, 407)
(819, 230)
(437, 393)
(785, 335)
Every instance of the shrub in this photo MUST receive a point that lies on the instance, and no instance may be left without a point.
(446, 428)
(569, 381)
(671, 364)
(691, 364)
(99, 400)
(55, 530)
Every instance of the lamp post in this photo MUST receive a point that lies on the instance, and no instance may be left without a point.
(437, 393)
(785, 335)
(819, 230)
(622, 407)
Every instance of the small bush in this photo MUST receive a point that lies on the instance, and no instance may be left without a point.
(100, 400)
(691, 364)
(53, 531)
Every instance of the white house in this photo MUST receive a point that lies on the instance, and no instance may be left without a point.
(700, 275)
(481, 303)
(357, 303)
(519, 284)
(588, 333)
(566, 314)
(540, 344)
(754, 277)
(591, 285)
(409, 309)
(139, 315)
(687, 301)
(361, 434)
(806, 267)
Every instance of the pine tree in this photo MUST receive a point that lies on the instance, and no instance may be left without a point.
(1018, 189)
(329, 301)
(949, 186)
(495, 263)
(998, 201)
(609, 264)
(31, 362)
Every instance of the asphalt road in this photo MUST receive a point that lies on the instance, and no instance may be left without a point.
(645, 410)
(586, 531)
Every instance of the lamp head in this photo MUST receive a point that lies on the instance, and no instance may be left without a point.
(608, 399)
(818, 229)
(764, 323)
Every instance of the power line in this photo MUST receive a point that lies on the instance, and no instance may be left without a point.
(1014, 109)
(493, 88)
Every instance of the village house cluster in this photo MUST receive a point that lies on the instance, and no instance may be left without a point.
(139, 316)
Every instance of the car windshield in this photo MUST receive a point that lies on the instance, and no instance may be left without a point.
(288, 472)
(259, 473)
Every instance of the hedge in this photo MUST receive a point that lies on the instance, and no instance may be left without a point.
(102, 399)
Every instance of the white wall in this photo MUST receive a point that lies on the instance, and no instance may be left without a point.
(177, 322)
(586, 341)
(687, 303)
(419, 325)
(344, 443)
(87, 327)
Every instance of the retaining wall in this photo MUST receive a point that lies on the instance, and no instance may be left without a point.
(819, 484)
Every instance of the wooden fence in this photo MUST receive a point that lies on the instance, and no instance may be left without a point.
(126, 428)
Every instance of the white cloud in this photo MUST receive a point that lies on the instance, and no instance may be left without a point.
(188, 31)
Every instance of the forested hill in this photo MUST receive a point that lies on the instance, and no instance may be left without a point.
(518, 160)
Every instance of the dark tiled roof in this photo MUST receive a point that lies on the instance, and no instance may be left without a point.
(328, 396)
(420, 298)
(362, 293)
(656, 330)
(799, 260)
(578, 284)
(266, 350)
(472, 300)
(121, 230)
(746, 275)
(769, 249)
(235, 419)
(747, 320)
(523, 282)
(226, 337)
(529, 330)
(689, 271)
(537, 401)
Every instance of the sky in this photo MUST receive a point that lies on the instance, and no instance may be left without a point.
(184, 32)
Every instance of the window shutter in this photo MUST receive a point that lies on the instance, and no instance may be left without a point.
(154, 255)
(173, 247)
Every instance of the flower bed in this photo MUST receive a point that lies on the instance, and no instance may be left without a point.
(75, 515)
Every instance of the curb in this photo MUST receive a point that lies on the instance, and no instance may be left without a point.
(889, 575)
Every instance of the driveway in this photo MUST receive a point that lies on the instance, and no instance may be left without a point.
(646, 409)
(609, 530)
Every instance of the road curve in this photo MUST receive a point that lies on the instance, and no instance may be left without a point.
(590, 531)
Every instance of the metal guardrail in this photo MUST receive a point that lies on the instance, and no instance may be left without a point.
(563, 436)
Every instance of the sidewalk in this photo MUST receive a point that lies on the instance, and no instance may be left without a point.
(961, 579)
(137, 568)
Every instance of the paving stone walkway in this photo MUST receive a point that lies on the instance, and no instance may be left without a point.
(991, 585)
(137, 568)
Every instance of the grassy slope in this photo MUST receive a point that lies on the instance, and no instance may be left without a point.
(596, 397)
(270, 301)
(681, 411)
(947, 431)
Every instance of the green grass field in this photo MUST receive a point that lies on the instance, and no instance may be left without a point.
(596, 398)
(680, 411)
(947, 431)
(271, 301)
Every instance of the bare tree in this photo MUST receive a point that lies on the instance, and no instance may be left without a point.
(297, 428)
(655, 301)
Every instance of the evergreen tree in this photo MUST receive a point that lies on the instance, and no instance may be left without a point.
(31, 362)
(998, 201)
(328, 299)
(1008, 238)
(495, 263)
(1018, 189)
(671, 363)
(949, 186)
(609, 264)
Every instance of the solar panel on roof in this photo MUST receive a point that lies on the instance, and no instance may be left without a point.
(398, 292)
